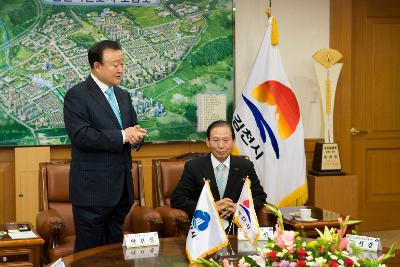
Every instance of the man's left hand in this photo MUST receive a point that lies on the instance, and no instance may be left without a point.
(226, 207)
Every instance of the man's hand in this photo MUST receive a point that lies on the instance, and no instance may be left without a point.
(225, 207)
(135, 134)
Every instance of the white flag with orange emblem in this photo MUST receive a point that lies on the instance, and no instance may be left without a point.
(206, 234)
(268, 126)
(245, 216)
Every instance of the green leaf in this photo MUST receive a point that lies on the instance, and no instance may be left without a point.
(250, 261)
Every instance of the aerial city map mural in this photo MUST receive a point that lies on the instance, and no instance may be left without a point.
(178, 63)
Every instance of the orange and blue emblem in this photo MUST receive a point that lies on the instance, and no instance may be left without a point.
(274, 93)
(245, 205)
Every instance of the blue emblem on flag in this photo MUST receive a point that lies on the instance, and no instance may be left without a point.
(246, 211)
(261, 124)
(201, 220)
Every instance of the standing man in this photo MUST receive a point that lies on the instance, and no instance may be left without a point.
(102, 125)
(226, 173)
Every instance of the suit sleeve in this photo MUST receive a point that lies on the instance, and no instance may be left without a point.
(259, 196)
(77, 121)
(184, 192)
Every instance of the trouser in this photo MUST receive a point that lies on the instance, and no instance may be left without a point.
(97, 226)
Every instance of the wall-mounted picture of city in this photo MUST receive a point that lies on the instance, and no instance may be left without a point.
(174, 52)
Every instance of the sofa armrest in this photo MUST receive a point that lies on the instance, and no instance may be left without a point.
(145, 219)
(182, 226)
(51, 227)
(170, 217)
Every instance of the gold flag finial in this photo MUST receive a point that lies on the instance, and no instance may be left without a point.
(206, 180)
(268, 12)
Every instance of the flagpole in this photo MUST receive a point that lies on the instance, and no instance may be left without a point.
(269, 8)
(229, 230)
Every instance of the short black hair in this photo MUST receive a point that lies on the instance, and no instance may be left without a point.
(95, 53)
(219, 123)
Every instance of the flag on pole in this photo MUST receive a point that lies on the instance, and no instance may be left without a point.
(268, 126)
(245, 215)
(206, 234)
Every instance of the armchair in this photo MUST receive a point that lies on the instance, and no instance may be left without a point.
(166, 175)
(55, 220)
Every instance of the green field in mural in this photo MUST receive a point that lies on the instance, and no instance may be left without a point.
(173, 51)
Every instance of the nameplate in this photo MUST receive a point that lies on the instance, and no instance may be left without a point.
(141, 240)
(365, 242)
(265, 233)
(141, 253)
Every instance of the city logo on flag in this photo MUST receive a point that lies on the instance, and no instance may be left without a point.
(245, 207)
(200, 220)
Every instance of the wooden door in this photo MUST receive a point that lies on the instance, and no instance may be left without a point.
(375, 111)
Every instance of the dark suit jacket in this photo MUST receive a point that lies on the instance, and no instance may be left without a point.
(101, 163)
(187, 192)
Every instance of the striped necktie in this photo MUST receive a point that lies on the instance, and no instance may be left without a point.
(113, 103)
(220, 179)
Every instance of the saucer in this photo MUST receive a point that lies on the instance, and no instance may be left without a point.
(309, 220)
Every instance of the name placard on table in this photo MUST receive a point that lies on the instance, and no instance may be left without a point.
(365, 242)
(265, 233)
(141, 240)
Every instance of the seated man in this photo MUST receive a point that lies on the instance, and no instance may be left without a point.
(225, 172)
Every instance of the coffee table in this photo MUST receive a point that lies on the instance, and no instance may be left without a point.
(323, 218)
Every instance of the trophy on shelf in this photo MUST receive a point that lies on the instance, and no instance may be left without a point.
(326, 159)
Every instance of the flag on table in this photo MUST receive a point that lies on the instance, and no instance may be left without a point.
(268, 127)
(245, 215)
(206, 234)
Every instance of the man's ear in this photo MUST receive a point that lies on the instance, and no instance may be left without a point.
(96, 65)
(207, 142)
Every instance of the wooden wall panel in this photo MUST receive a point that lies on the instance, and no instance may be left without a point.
(384, 79)
(335, 193)
(340, 38)
(7, 185)
(7, 189)
(383, 188)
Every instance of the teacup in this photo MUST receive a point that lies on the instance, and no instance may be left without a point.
(305, 214)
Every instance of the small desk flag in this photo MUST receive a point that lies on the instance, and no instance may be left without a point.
(245, 215)
(206, 234)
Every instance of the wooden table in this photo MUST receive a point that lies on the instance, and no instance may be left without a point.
(324, 218)
(171, 252)
(19, 252)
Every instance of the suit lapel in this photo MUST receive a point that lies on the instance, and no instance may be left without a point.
(211, 175)
(100, 98)
(234, 179)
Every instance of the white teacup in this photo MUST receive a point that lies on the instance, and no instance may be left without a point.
(305, 214)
